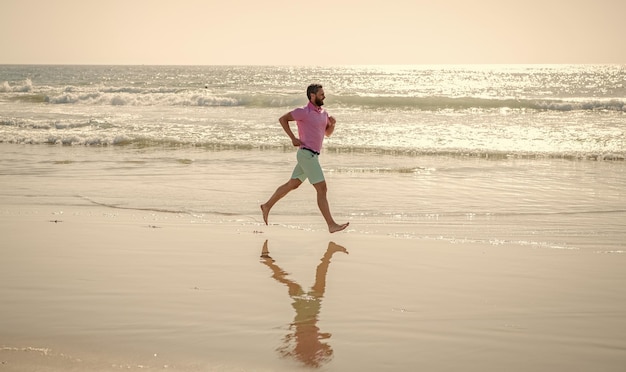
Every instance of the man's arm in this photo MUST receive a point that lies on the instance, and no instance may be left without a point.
(330, 127)
(284, 122)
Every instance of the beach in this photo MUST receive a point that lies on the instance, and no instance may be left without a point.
(87, 288)
(486, 208)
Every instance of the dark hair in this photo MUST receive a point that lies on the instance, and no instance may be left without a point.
(313, 88)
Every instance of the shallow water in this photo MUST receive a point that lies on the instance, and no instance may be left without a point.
(552, 203)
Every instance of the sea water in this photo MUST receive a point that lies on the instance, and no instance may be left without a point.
(524, 154)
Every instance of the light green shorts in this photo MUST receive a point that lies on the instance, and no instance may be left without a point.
(308, 167)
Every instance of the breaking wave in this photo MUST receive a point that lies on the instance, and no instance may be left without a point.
(162, 96)
(432, 103)
(436, 103)
(145, 141)
(24, 86)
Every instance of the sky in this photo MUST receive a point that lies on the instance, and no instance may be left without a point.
(297, 32)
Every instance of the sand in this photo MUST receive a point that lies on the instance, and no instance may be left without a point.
(88, 288)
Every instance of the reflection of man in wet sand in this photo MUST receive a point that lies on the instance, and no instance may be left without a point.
(308, 348)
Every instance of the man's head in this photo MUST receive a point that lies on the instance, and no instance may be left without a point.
(315, 94)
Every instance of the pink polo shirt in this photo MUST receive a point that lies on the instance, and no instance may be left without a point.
(312, 122)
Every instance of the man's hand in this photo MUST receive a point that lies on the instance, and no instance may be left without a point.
(284, 122)
(330, 128)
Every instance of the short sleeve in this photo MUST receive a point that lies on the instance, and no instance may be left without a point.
(298, 114)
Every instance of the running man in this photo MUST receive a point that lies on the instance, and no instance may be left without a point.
(313, 123)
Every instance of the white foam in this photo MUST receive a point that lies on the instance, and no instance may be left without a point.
(21, 87)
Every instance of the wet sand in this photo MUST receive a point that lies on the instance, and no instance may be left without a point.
(101, 289)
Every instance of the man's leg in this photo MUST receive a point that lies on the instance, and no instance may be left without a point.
(322, 203)
(280, 192)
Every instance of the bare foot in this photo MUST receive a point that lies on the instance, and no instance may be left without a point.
(265, 212)
(335, 228)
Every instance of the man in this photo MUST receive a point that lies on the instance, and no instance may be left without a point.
(313, 123)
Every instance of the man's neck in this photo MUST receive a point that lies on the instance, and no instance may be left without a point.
(318, 108)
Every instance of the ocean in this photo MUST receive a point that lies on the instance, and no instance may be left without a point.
(525, 154)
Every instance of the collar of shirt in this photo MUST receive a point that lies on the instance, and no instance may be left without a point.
(311, 106)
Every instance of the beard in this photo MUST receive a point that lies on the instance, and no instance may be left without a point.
(319, 102)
